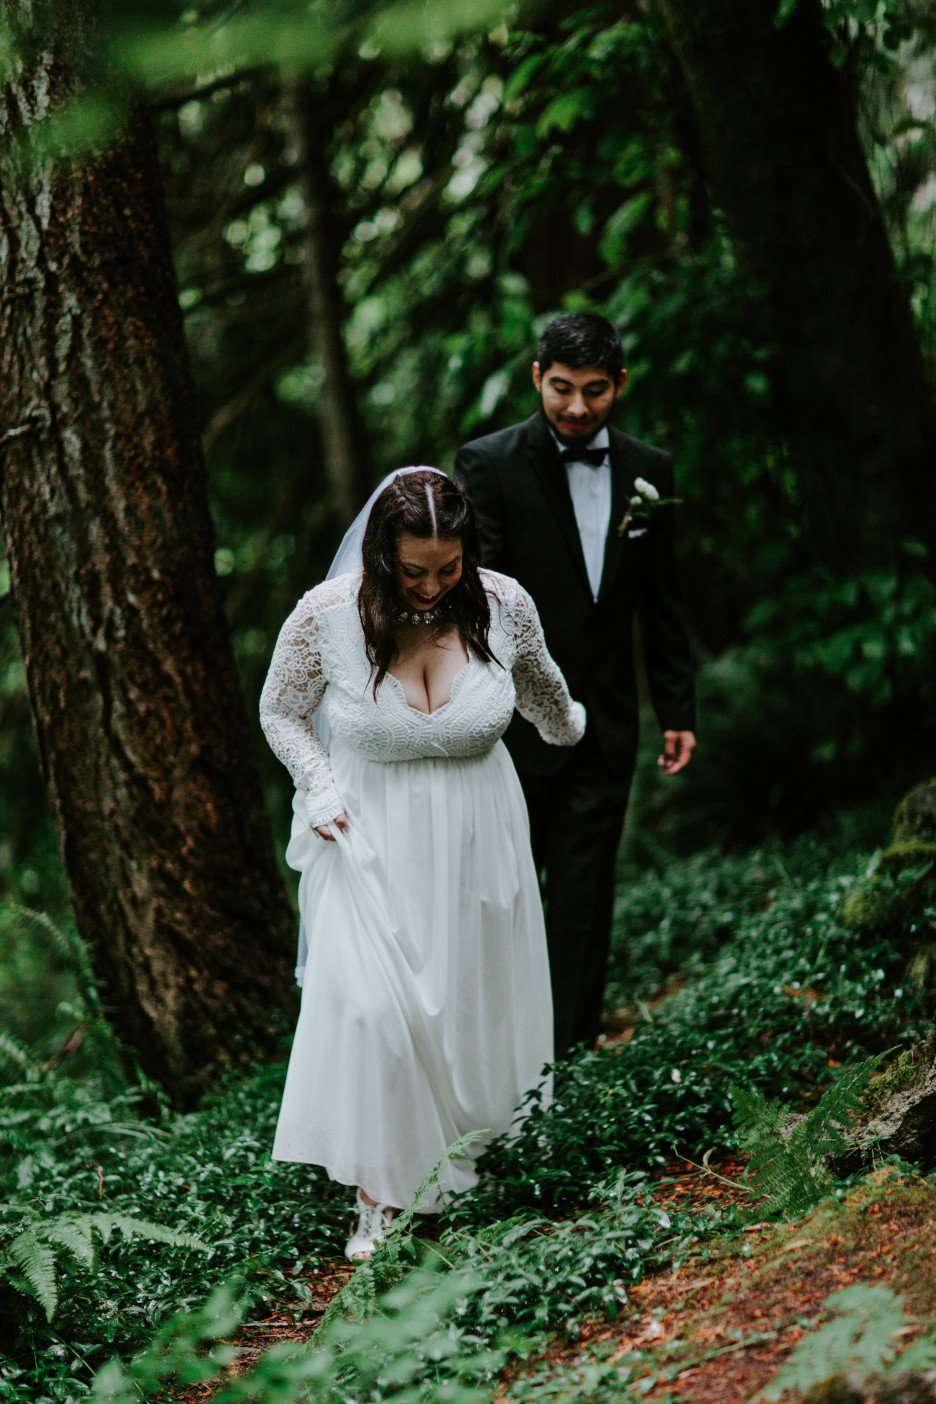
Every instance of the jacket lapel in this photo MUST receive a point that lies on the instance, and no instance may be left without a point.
(622, 486)
(551, 475)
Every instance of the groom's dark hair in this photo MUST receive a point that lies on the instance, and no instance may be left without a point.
(577, 339)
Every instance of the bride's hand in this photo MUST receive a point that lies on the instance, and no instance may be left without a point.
(324, 830)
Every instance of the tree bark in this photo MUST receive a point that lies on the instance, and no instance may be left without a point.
(141, 729)
(777, 126)
(338, 418)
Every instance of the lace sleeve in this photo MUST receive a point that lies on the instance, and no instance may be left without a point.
(542, 695)
(294, 687)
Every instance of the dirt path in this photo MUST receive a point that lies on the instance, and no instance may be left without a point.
(717, 1329)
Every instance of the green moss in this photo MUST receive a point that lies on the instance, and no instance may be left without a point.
(916, 814)
(895, 896)
(834, 1390)
(901, 1074)
(907, 854)
(871, 906)
(904, 882)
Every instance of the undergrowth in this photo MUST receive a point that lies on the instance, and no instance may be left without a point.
(784, 999)
(776, 998)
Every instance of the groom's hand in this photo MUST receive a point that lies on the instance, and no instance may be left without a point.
(678, 747)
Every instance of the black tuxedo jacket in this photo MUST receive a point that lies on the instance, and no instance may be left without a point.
(519, 488)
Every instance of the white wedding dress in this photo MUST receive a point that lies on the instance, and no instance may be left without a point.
(426, 1009)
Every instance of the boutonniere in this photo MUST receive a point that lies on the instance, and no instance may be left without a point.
(645, 501)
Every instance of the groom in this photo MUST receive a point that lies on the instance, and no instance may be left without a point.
(552, 499)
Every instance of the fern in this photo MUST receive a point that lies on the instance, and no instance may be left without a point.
(29, 1265)
(87, 1010)
(30, 1259)
(788, 1167)
(15, 1052)
(861, 1339)
(69, 945)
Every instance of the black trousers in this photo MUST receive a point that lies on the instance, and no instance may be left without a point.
(576, 817)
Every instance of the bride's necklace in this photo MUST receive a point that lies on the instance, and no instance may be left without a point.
(422, 616)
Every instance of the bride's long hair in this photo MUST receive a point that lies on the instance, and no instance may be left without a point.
(428, 505)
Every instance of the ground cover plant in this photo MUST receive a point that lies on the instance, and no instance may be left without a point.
(761, 987)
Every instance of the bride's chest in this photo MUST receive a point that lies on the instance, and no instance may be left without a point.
(426, 669)
(479, 701)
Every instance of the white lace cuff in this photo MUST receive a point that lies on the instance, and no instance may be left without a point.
(323, 807)
(577, 720)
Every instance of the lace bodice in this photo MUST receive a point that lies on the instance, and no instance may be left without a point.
(320, 660)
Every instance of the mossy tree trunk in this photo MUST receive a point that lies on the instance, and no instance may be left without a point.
(141, 727)
(777, 127)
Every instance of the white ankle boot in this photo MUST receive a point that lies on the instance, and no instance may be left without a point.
(373, 1222)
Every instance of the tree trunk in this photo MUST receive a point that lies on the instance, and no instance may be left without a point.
(142, 733)
(778, 132)
(338, 419)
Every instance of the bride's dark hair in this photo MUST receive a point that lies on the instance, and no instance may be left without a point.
(428, 505)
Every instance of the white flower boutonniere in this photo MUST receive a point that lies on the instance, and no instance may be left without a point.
(643, 504)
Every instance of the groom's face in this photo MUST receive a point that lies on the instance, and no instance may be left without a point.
(577, 402)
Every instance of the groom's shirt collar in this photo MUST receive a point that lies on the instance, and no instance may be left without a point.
(600, 440)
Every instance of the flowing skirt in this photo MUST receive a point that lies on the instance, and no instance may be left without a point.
(426, 1009)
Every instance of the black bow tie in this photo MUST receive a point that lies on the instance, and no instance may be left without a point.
(594, 456)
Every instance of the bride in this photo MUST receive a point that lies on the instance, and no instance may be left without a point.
(426, 1010)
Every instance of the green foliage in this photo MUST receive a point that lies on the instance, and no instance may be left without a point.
(206, 1175)
(875, 28)
(441, 1320)
(788, 1157)
(861, 1339)
(29, 1255)
(483, 170)
(407, 1348)
(563, 1222)
(781, 990)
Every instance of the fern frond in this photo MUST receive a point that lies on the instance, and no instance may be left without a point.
(825, 1128)
(74, 1232)
(458, 1150)
(15, 1052)
(30, 1258)
(68, 944)
(861, 1337)
(777, 1169)
(787, 1163)
(132, 1227)
(34, 1262)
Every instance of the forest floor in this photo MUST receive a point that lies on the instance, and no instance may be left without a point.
(718, 1328)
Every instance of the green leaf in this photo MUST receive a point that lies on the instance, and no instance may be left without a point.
(564, 111)
(613, 246)
(522, 74)
(785, 11)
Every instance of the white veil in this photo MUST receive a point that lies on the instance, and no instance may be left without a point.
(349, 555)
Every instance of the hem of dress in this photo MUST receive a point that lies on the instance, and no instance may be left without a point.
(434, 1205)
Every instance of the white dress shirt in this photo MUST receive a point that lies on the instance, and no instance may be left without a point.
(590, 488)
